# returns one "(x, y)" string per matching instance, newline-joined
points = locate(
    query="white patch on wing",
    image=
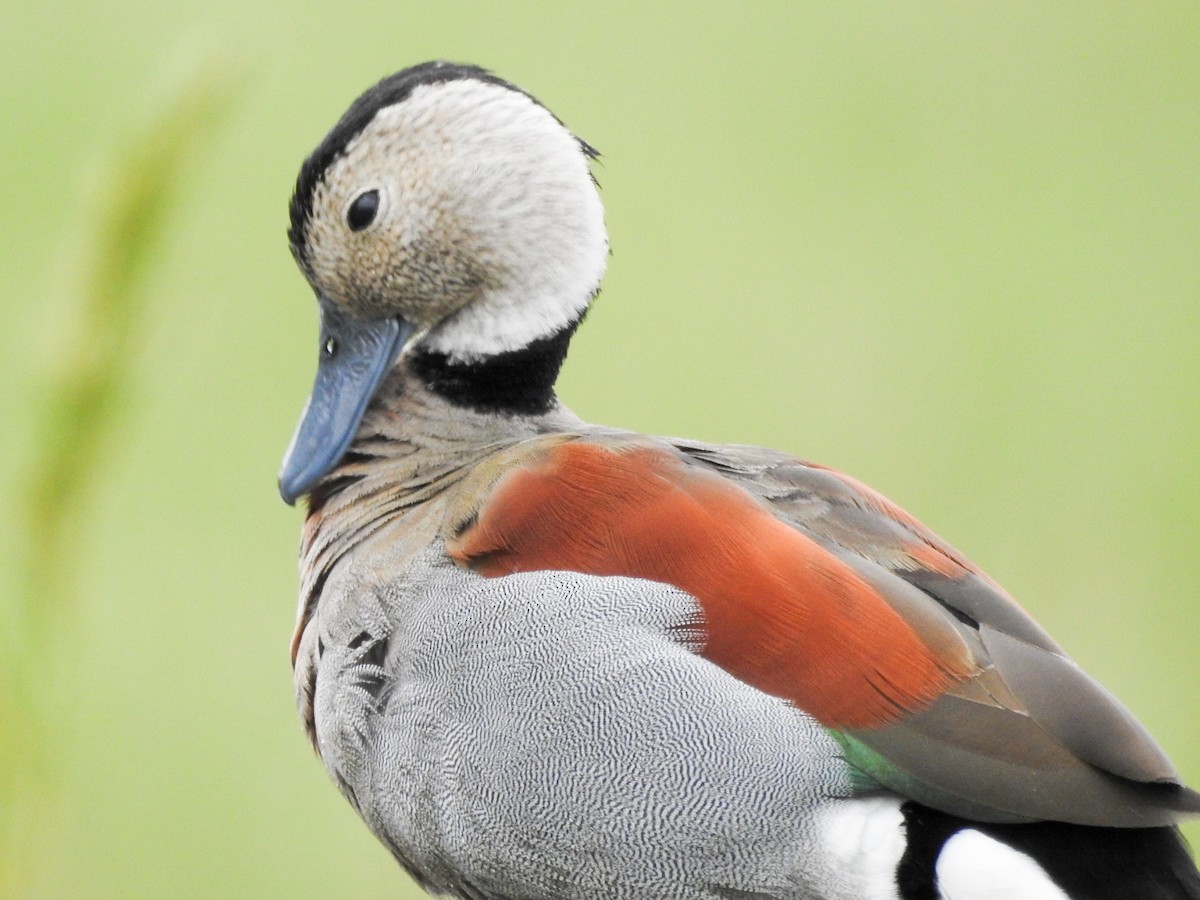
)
(973, 866)
(866, 837)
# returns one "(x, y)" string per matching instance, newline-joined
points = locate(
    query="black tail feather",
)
(1088, 863)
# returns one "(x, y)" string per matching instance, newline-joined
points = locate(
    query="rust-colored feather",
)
(780, 611)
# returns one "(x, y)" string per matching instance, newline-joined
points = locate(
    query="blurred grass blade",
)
(82, 408)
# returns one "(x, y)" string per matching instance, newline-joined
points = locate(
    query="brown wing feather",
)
(1032, 735)
(780, 611)
(816, 589)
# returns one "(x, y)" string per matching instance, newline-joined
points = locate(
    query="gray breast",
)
(554, 735)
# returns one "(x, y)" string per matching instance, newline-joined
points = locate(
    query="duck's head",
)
(451, 221)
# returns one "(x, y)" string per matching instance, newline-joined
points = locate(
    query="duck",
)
(544, 658)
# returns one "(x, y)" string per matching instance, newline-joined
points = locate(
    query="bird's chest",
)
(379, 728)
(415, 710)
(548, 735)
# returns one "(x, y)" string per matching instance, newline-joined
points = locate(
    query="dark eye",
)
(362, 211)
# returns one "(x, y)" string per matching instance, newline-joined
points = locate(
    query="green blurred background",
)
(948, 247)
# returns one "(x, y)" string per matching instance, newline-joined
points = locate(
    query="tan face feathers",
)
(487, 228)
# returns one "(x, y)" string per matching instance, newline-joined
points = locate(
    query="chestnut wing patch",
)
(780, 612)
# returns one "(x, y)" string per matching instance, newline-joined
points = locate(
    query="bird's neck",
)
(432, 420)
(414, 445)
(515, 382)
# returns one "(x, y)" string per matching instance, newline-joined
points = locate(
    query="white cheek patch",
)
(973, 866)
(529, 211)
